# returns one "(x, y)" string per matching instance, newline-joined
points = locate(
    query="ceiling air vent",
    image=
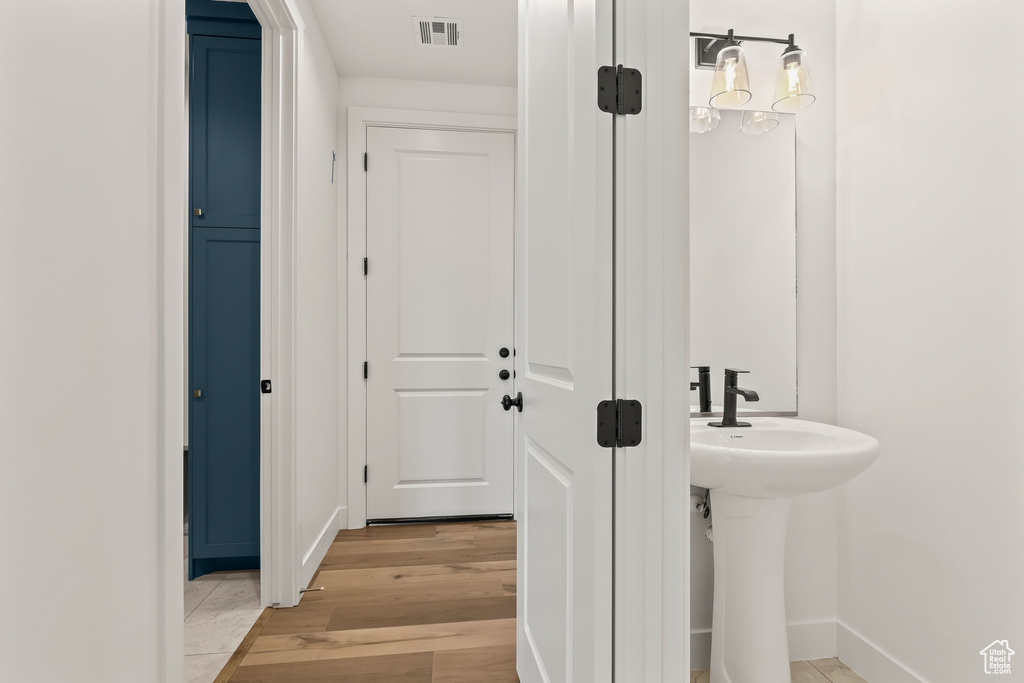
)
(437, 31)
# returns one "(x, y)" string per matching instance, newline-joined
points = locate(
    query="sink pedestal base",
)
(748, 628)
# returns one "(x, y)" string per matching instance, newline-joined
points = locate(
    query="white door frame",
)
(279, 561)
(652, 346)
(359, 119)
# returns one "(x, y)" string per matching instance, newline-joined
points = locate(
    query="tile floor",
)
(814, 671)
(220, 609)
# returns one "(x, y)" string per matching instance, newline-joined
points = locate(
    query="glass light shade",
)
(757, 122)
(730, 86)
(703, 119)
(793, 89)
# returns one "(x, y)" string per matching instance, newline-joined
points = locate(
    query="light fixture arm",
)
(754, 39)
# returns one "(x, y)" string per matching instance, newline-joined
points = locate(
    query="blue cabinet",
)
(224, 290)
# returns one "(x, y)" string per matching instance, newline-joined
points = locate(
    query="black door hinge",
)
(364, 473)
(366, 370)
(366, 267)
(366, 161)
(619, 423)
(620, 90)
(265, 386)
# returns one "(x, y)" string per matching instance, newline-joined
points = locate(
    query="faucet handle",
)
(701, 368)
(731, 376)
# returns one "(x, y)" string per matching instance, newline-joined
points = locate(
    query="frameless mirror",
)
(743, 261)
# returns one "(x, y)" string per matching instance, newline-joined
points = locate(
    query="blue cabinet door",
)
(224, 117)
(224, 304)
(224, 419)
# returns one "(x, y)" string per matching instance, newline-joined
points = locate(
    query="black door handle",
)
(507, 402)
(503, 352)
(503, 374)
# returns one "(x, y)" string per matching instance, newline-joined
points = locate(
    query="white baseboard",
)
(315, 555)
(870, 661)
(812, 640)
(807, 640)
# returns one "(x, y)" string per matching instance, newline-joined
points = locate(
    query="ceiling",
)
(375, 38)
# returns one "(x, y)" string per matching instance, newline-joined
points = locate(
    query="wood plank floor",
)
(402, 604)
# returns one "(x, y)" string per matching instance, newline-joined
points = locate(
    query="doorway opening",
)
(223, 331)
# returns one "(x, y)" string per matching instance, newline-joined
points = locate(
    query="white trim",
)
(652, 346)
(870, 661)
(279, 585)
(278, 579)
(315, 555)
(807, 640)
(169, 168)
(359, 118)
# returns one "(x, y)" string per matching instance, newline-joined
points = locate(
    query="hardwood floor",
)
(402, 604)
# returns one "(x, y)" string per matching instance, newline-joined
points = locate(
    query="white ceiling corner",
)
(374, 38)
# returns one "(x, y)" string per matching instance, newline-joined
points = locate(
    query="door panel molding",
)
(352, 253)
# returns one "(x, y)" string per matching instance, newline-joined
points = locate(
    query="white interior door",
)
(564, 342)
(440, 217)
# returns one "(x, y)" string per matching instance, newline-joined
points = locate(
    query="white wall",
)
(811, 551)
(91, 340)
(391, 94)
(317, 386)
(931, 331)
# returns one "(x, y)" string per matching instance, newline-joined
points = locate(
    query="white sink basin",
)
(752, 473)
(777, 457)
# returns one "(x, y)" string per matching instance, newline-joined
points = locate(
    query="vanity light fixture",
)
(757, 122)
(730, 86)
(703, 119)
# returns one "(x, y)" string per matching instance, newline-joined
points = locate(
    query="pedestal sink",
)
(753, 472)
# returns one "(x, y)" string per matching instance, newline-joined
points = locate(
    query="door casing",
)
(359, 119)
(660, 649)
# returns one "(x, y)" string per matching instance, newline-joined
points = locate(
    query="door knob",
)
(503, 374)
(197, 393)
(507, 402)
(503, 352)
(197, 212)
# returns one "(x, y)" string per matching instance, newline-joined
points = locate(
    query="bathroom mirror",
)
(743, 261)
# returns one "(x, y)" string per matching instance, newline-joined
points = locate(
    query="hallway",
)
(410, 604)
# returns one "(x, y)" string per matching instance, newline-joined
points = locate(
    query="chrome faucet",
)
(731, 392)
(703, 387)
